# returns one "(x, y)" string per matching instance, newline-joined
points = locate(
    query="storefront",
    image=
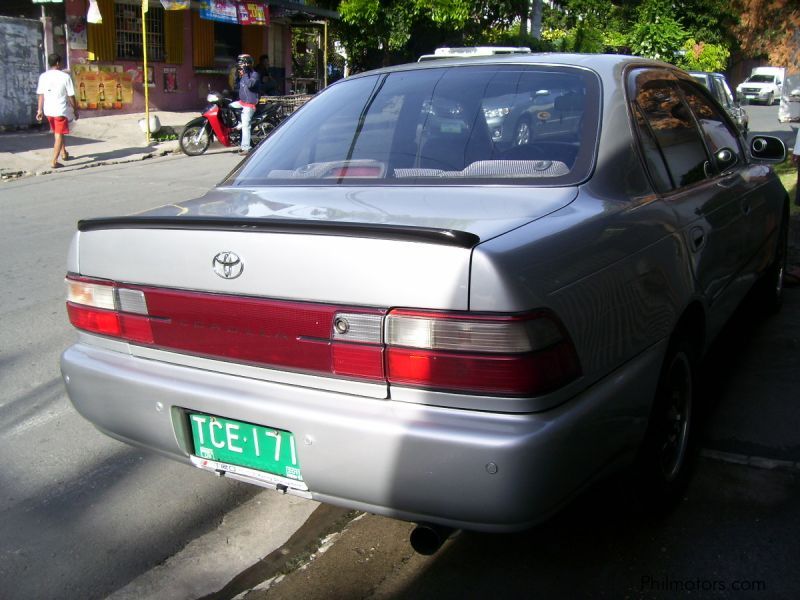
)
(191, 47)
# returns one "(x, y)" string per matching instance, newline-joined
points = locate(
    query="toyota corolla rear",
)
(313, 324)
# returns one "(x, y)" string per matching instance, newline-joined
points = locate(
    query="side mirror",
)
(767, 148)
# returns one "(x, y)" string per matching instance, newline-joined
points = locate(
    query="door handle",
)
(727, 181)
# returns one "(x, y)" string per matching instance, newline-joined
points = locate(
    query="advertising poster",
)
(170, 80)
(76, 32)
(253, 13)
(219, 10)
(86, 79)
(138, 75)
(102, 86)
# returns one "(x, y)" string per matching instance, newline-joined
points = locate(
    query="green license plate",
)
(244, 444)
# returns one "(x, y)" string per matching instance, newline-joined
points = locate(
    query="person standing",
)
(55, 94)
(248, 97)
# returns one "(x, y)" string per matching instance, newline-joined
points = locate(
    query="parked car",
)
(765, 84)
(387, 309)
(473, 51)
(721, 91)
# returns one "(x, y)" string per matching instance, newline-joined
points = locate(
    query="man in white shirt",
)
(56, 93)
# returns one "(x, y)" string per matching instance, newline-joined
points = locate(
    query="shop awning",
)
(285, 8)
(296, 9)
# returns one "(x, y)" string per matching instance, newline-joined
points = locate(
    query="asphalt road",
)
(764, 119)
(80, 514)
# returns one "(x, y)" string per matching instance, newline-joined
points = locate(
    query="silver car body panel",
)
(394, 458)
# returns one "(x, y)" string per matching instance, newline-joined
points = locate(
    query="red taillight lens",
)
(519, 356)
(308, 337)
(95, 320)
(101, 307)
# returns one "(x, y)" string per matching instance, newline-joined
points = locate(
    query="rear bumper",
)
(467, 469)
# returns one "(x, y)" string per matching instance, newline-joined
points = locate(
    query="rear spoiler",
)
(406, 233)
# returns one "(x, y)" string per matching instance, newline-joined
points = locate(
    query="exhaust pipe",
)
(426, 538)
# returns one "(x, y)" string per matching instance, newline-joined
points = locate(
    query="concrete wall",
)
(21, 64)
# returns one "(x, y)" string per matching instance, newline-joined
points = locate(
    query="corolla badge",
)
(227, 265)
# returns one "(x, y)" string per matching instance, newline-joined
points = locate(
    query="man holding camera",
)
(248, 96)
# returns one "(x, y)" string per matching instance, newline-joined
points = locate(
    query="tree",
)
(585, 26)
(770, 28)
(656, 33)
(380, 32)
(386, 26)
(703, 57)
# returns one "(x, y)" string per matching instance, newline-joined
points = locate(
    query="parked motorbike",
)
(220, 121)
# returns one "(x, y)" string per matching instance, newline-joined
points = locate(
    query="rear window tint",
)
(506, 123)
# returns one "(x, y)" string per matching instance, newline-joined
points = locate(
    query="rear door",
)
(681, 134)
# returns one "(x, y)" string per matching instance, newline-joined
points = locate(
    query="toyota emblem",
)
(227, 265)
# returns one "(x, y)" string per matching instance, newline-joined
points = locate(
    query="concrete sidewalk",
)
(92, 141)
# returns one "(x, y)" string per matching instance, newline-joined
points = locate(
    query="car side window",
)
(718, 133)
(671, 143)
(722, 94)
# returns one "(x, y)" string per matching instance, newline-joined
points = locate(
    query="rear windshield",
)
(453, 125)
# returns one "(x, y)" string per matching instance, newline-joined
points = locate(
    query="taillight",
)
(508, 355)
(102, 308)
(308, 337)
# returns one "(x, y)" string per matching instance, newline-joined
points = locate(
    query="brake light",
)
(317, 338)
(509, 355)
(108, 310)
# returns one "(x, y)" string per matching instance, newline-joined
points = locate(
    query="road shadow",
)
(733, 527)
(37, 139)
(112, 155)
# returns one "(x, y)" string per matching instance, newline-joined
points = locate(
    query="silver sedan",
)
(390, 306)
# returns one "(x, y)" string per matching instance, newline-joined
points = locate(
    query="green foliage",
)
(656, 33)
(585, 26)
(703, 57)
(376, 32)
(708, 20)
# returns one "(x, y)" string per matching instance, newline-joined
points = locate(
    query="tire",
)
(770, 99)
(522, 132)
(666, 457)
(195, 138)
(769, 289)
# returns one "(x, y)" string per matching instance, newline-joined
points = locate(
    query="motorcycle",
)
(220, 120)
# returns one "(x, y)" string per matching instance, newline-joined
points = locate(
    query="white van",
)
(473, 51)
(765, 84)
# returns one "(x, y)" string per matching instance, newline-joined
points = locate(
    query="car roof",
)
(606, 65)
